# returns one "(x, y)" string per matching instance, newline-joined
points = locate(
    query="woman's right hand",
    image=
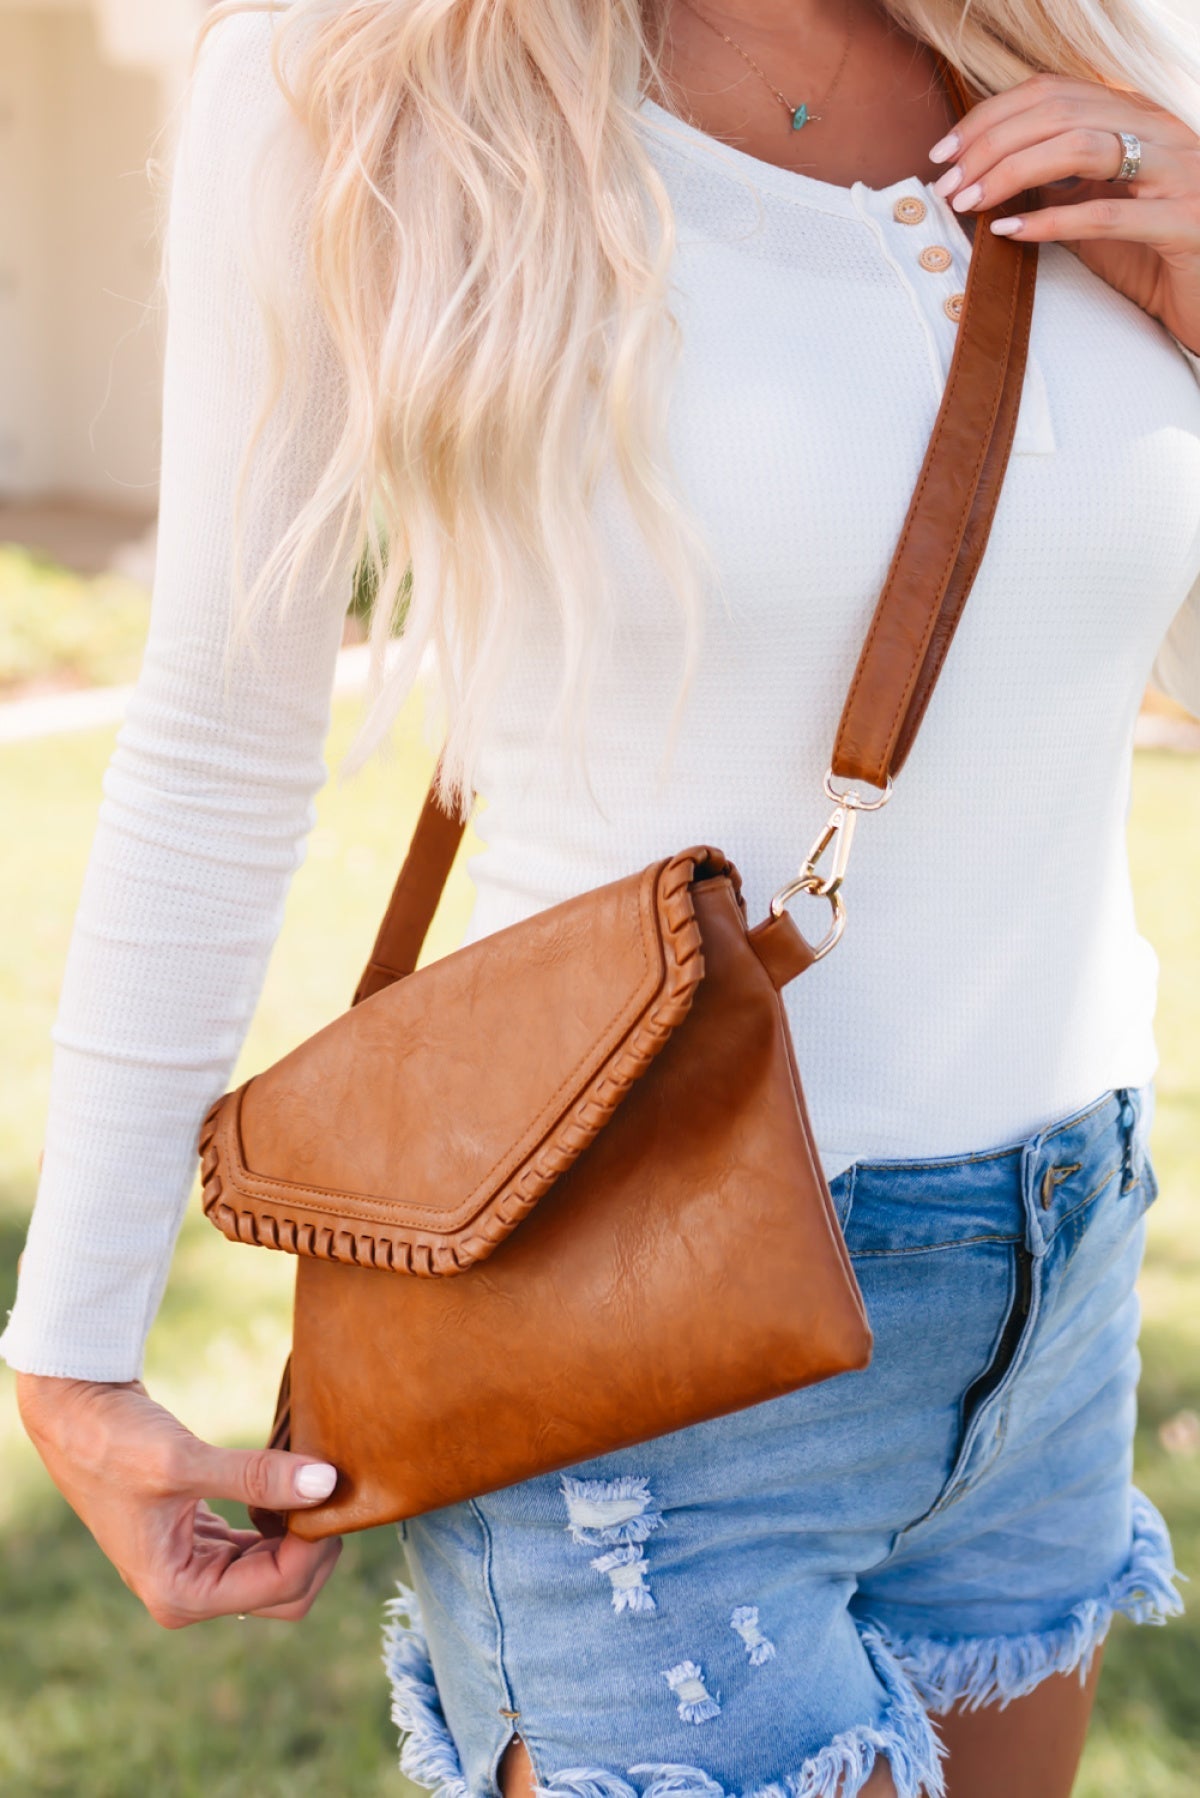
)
(139, 1481)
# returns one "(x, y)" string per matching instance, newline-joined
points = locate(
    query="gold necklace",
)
(800, 115)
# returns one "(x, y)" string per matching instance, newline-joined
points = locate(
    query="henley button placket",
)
(935, 259)
(927, 247)
(924, 241)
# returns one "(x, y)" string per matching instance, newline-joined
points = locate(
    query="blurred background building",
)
(88, 89)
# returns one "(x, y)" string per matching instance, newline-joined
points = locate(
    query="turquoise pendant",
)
(800, 117)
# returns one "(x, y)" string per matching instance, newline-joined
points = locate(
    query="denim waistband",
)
(1023, 1192)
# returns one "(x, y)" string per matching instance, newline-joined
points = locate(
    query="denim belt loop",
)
(1130, 1103)
(1032, 1158)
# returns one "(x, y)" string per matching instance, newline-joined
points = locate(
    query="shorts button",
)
(1053, 1178)
(936, 258)
(953, 307)
(909, 210)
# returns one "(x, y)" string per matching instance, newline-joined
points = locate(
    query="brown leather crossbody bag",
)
(557, 1193)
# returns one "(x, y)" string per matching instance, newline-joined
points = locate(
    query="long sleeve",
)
(1176, 670)
(208, 797)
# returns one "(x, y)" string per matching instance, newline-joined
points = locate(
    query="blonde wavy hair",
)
(489, 242)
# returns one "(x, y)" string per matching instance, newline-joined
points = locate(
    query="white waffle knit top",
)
(992, 977)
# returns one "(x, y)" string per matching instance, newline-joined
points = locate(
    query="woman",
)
(461, 228)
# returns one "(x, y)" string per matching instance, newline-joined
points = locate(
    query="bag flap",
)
(418, 1129)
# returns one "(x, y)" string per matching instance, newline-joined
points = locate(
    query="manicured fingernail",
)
(970, 196)
(317, 1480)
(1007, 227)
(946, 184)
(945, 147)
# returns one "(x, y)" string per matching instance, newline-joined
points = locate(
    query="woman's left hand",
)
(1142, 237)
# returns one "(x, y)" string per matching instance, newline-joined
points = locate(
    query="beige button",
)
(909, 210)
(954, 305)
(935, 257)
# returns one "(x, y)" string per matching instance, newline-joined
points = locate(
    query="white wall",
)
(84, 93)
(147, 34)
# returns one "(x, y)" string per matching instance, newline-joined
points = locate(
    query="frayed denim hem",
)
(904, 1737)
(427, 1753)
(995, 1670)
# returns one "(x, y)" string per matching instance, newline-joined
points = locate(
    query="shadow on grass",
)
(99, 1702)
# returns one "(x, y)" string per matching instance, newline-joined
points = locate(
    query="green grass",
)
(96, 1701)
(67, 627)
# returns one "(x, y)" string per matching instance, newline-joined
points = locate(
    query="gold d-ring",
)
(853, 800)
(811, 883)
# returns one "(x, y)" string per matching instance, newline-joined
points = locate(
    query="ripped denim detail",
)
(995, 1670)
(696, 1704)
(626, 1568)
(427, 1753)
(604, 1513)
(759, 1649)
(918, 1674)
(903, 1737)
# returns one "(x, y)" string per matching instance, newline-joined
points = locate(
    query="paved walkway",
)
(1155, 731)
(58, 714)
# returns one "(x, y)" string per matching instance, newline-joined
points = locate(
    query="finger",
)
(1086, 154)
(282, 1576)
(1165, 225)
(216, 1529)
(269, 1478)
(221, 1580)
(1045, 105)
(238, 1540)
(295, 1613)
(210, 1528)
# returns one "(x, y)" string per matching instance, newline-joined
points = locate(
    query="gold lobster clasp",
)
(838, 833)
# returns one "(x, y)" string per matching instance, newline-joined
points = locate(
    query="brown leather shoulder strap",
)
(949, 518)
(415, 896)
(953, 504)
(936, 560)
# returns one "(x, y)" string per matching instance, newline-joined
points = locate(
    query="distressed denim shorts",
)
(765, 1604)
